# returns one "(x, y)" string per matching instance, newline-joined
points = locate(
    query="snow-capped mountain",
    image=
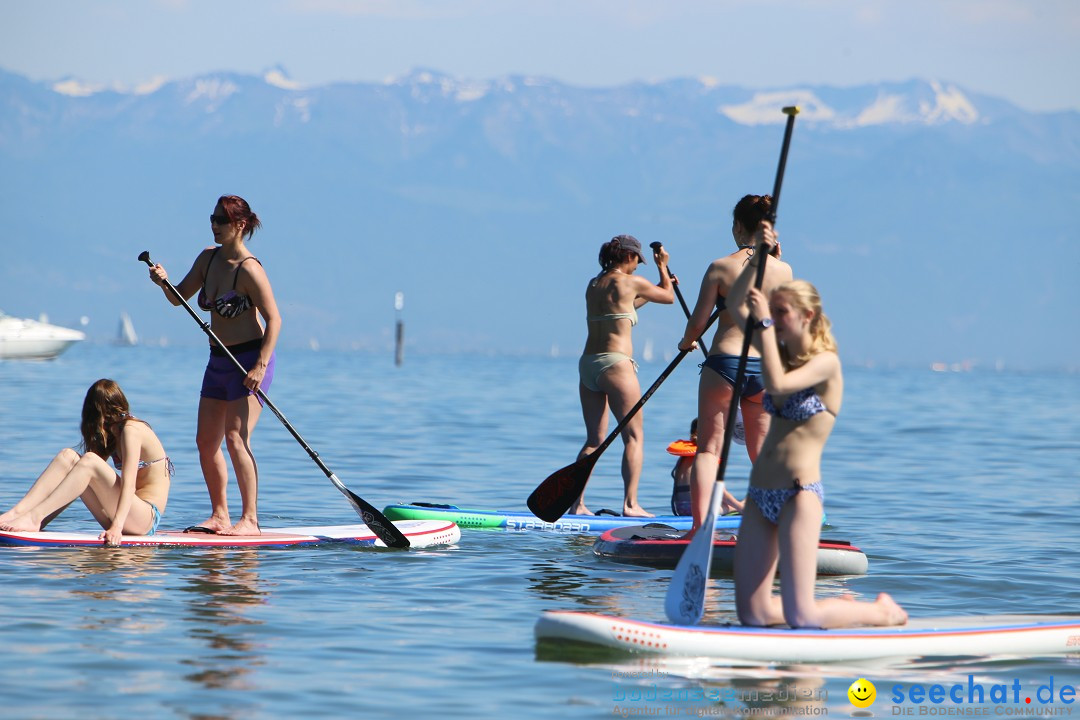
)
(920, 208)
(926, 102)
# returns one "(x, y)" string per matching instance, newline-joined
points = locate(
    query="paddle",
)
(678, 293)
(383, 528)
(554, 496)
(685, 601)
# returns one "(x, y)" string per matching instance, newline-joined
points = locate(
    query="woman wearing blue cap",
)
(607, 371)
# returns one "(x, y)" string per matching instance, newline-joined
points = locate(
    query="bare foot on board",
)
(894, 614)
(246, 526)
(21, 523)
(215, 524)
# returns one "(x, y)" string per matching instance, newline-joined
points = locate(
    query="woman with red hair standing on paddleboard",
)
(234, 289)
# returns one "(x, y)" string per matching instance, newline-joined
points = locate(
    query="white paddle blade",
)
(685, 601)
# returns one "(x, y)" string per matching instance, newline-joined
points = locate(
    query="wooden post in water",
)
(399, 334)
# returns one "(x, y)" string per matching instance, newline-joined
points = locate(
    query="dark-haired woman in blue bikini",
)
(718, 372)
(234, 288)
(781, 524)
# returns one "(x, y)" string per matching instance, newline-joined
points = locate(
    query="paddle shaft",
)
(682, 301)
(685, 599)
(378, 523)
(759, 278)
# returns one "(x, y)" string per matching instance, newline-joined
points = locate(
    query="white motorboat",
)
(33, 339)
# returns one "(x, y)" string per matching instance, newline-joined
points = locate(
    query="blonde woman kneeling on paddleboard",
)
(126, 503)
(781, 524)
(607, 371)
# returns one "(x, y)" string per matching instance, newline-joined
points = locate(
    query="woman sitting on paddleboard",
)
(781, 523)
(718, 372)
(607, 371)
(234, 288)
(128, 503)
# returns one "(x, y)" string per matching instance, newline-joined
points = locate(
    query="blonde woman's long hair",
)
(803, 296)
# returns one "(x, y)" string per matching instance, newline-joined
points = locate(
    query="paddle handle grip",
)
(791, 111)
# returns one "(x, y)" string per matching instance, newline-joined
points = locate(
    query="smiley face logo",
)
(862, 693)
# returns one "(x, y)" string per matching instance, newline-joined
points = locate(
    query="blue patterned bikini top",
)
(799, 406)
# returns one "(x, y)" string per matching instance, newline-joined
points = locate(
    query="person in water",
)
(718, 372)
(128, 502)
(607, 372)
(234, 289)
(781, 523)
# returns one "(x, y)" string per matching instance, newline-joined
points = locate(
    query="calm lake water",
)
(962, 488)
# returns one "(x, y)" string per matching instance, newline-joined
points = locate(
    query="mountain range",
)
(939, 224)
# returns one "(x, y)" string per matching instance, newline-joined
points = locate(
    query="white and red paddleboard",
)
(1015, 635)
(421, 533)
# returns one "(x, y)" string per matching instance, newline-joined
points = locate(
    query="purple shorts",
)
(222, 381)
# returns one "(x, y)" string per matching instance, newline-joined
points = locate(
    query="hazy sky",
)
(1026, 51)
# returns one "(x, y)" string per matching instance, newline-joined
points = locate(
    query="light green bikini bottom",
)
(591, 367)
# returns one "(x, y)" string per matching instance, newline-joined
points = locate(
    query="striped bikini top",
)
(232, 304)
(170, 468)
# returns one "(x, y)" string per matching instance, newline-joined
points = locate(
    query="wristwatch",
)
(764, 323)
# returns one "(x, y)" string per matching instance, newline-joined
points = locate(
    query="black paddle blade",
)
(553, 497)
(379, 524)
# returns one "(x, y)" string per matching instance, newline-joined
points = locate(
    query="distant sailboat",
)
(125, 335)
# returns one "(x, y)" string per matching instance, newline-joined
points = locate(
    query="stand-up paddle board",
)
(661, 546)
(525, 520)
(1017, 635)
(421, 533)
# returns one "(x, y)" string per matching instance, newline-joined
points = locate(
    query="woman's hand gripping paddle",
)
(685, 601)
(379, 524)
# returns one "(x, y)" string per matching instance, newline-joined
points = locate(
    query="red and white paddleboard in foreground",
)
(421, 533)
(980, 635)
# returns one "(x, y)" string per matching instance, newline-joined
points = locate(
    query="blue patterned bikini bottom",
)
(771, 501)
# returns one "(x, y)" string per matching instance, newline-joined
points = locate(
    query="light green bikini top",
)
(631, 316)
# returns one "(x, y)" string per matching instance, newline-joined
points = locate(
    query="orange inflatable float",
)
(683, 448)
